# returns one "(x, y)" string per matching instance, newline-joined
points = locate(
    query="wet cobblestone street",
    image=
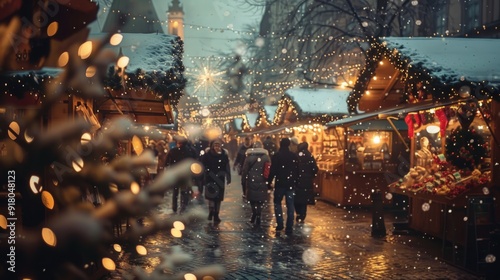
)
(334, 243)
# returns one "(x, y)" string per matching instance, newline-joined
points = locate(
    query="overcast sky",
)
(208, 23)
(211, 27)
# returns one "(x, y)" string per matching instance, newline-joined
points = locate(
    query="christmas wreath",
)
(465, 148)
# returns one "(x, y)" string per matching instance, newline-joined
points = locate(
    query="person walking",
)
(284, 169)
(240, 158)
(217, 174)
(181, 152)
(252, 176)
(232, 147)
(304, 191)
(294, 143)
(269, 145)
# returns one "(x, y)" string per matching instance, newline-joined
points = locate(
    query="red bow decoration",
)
(413, 121)
(443, 121)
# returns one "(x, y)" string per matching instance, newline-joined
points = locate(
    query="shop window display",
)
(369, 150)
(452, 163)
(332, 154)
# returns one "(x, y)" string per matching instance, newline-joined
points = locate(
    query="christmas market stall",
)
(358, 154)
(147, 81)
(258, 122)
(145, 86)
(446, 90)
(31, 71)
(302, 113)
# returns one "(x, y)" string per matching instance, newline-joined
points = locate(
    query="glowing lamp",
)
(117, 247)
(432, 129)
(3, 222)
(63, 59)
(49, 237)
(90, 71)
(116, 39)
(48, 200)
(108, 264)
(196, 168)
(85, 138)
(52, 28)
(179, 225)
(135, 188)
(85, 50)
(14, 130)
(123, 62)
(27, 137)
(141, 250)
(34, 180)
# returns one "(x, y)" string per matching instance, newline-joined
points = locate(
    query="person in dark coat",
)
(217, 174)
(240, 158)
(269, 145)
(162, 155)
(254, 180)
(232, 147)
(183, 151)
(284, 169)
(304, 190)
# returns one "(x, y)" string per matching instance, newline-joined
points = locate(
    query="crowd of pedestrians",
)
(286, 171)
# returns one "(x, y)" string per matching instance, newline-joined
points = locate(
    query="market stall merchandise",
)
(359, 158)
(447, 92)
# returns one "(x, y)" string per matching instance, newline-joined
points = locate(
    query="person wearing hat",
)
(294, 144)
(217, 174)
(181, 152)
(254, 179)
(284, 170)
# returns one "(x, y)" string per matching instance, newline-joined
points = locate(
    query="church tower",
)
(175, 18)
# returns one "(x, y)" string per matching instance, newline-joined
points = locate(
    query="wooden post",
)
(495, 155)
(412, 150)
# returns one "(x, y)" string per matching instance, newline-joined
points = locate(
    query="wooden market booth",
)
(148, 89)
(31, 97)
(447, 92)
(302, 113)
(359, 154)
(262, 126)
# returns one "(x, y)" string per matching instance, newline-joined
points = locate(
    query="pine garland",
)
(465, 149)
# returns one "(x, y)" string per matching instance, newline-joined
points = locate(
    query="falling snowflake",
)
(490, 258)
(311, 256)
(425, 207)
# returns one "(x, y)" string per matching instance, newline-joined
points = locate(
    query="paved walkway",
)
(334, 243)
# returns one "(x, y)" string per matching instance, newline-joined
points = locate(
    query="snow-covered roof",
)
(452, 59)
(317, 101)
(270, 111)
(252, 119)
(150, 51)
(158, 56)
(238, 122)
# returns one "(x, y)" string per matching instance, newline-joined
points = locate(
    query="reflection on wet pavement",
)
(334, 243)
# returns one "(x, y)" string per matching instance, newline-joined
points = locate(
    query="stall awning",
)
(319, 101)
(275, 129)
(403, 109)
(379, 125)
(144, 107)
